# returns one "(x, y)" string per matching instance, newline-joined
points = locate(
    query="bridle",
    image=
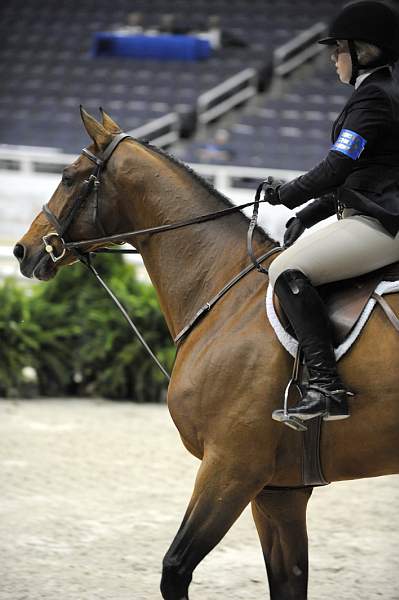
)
(92, 184)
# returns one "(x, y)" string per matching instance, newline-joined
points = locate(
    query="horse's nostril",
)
(19, 252)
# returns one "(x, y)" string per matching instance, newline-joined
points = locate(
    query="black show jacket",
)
(373, 113)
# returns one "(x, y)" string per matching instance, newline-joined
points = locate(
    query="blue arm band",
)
(350, 143)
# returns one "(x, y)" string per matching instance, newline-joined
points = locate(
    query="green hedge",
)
(71, 334)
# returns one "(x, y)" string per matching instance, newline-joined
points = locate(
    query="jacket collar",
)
(360, 78)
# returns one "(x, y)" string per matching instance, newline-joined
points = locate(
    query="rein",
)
(121, 237)
(92, 184)
(87, 261)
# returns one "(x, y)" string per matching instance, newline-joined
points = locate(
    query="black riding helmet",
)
(368, 21)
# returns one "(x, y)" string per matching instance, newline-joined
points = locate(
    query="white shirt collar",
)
(363, 76)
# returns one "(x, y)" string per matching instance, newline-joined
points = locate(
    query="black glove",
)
(295, 228)
(271, 187)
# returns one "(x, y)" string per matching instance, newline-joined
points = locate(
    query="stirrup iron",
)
(282, 415)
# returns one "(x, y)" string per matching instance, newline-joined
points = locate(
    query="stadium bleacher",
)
(47, 66)
(290, 129)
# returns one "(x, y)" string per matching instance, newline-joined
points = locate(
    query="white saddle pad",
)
(291, 345)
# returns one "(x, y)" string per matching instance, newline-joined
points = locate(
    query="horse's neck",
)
(189, 265)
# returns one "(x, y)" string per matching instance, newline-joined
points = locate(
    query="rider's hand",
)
(271, 188)
(295, 228)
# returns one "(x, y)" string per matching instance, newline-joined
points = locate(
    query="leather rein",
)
(92, 184)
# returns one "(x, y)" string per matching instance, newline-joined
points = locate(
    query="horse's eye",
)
(67, 180)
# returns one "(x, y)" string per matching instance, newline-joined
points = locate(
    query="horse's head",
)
(72, 212)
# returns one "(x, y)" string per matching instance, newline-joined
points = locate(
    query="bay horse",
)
(230, 373)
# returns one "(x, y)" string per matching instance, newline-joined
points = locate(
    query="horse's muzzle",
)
(34, 264)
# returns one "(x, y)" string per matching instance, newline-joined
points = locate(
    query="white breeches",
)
(352, 246)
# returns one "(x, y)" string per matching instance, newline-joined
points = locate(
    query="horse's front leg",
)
(221, 493)
(280, 518)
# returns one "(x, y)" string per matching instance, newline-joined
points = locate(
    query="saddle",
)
(345, 301)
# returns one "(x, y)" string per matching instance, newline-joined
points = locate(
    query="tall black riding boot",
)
(325, 394)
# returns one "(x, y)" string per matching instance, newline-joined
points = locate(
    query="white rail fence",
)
(29, 176)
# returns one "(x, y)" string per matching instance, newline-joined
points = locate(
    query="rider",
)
(359, 181)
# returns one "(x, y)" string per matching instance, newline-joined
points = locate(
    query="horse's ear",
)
(109, 123)
(100, 136)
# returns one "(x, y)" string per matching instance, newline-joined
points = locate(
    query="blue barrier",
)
(164, 47)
